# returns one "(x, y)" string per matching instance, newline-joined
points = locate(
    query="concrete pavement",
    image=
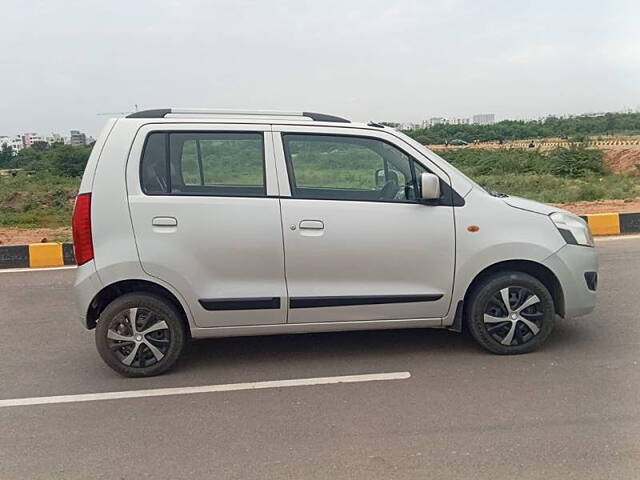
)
(568, 411)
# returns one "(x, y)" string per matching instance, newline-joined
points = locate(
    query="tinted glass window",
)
(153, 171)
(189, 163)
(348, 168)
(213, 164)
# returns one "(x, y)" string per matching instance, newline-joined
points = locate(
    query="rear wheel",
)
(140, 335)
(510, 313)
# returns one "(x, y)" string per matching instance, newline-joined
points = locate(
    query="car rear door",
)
(359, 246)
(207, 221)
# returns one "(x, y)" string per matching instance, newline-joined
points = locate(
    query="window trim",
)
(200, 166)
(291, 173)
(169, 193)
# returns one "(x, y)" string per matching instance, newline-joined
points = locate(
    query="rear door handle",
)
(312, 224)
(164, 222)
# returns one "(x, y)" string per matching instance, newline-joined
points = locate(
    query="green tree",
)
(58, 159)
(28, 159)
(6, 156)
(67, 160)
(40, 146)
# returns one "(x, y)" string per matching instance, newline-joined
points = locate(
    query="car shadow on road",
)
(570, 335)
(362, 347)
(359, 348)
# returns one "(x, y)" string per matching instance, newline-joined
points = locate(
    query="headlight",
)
(572, 228)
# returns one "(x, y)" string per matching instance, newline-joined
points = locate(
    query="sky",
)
(64, 63)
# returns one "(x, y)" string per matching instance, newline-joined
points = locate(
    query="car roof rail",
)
(163, 112)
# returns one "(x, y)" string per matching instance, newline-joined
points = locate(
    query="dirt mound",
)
(623, 160)
(602, 206)
(24, 236)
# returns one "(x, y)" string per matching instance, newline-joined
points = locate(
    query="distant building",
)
(484, 119)
(459, 121)
(77, 138)
(15, 142)
(55, 138)
(408, 126)
(28, 139)
(437, 121)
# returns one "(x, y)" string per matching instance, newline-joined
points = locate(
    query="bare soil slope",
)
(23, 236)
(623, 160)
(603, 206)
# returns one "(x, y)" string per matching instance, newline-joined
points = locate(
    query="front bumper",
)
(570, 264)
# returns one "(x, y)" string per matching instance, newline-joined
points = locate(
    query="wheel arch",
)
(535, 269)
(109, 293)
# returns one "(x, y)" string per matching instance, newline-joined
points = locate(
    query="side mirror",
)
(380, 178)
(429, 186)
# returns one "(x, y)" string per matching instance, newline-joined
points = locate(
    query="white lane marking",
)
(616, 237)
(230, 387)
(38, 269)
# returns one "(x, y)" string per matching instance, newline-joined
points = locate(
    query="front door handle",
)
(164, 222)
(312, 224)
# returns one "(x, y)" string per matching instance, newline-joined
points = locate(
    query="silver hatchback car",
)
(194, 223)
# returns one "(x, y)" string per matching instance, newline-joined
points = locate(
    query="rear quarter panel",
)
(115, 252)
(114, 246)
(90, 169)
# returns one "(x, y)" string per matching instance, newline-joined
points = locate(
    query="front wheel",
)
(510, 313)
(140, 335)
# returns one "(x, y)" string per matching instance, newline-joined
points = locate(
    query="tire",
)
(500, 328)
(134, 353)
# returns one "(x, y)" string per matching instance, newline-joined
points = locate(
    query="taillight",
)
(81, 226)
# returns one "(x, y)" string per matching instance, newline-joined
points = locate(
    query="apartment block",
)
(484, 119)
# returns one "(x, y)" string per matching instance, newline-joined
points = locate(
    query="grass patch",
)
(549, 188)
(558, 176)
(39, 200)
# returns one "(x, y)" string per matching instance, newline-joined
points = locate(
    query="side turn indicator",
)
(473, 228)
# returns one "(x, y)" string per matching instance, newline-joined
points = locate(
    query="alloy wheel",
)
(513, 316)
(139, 337)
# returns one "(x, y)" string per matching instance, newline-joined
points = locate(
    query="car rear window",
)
(204, 163)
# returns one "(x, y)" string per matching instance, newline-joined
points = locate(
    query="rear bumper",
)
(575, 267)
(85, 288)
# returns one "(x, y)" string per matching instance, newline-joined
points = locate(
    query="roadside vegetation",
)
(38, 185)
(37, 200)
(562, 175)
(575, 128)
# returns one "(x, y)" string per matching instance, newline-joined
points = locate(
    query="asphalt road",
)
(569, 411)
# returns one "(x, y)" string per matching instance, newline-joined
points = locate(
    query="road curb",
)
(613, 223)
(37, 255)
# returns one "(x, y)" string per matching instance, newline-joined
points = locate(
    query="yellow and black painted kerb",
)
(59, 254)
(37, 255)
(613, 223)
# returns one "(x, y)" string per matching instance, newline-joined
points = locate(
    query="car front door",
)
(206, 217)
(359, 244)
